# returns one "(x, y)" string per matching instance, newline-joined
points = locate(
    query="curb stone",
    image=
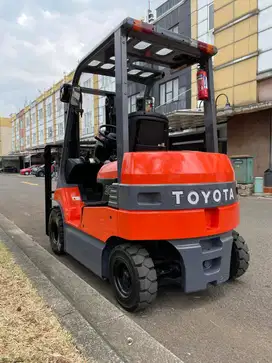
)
(130, 342)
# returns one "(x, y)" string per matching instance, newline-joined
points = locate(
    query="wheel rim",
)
(54, 235)
(122, 278)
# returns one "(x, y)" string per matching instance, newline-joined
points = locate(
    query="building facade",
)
(240, 29)
(5, 135)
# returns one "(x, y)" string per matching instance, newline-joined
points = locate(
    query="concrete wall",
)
(249, 134)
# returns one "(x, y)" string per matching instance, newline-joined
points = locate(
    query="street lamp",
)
(227, 106)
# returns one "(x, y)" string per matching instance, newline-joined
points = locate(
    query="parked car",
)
(34, 169)
(28, 171)
(39, 172)
(9, 169)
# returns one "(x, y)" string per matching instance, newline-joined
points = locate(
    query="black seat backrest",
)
(148, 131)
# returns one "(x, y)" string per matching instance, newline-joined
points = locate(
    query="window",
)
(169, 91)
(28, 140)
(60, 129)
(132, 103)
(166, 6)
(27, 120)
(88, 83)
(50, 132)
(40, 114)
(33, 117)
(34, 138)
(41, 135)
(175, 29)
(58, 103)
(49, 110)
(210, 17)
(87, 123)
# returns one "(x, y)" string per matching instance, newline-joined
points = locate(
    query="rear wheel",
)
(40, 173)
(239, 256)
(133, 277)
(56, 231)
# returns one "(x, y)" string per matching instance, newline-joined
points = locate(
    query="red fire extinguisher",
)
(202, 85)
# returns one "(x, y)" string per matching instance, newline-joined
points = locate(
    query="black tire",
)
(40, 173)
(239, 256)
(56, 231)
(132, 264)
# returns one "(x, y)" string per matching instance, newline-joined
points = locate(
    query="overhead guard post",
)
(210, 122)
(120, 46)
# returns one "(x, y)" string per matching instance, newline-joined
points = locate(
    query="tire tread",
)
(240, 256)
(146, 272)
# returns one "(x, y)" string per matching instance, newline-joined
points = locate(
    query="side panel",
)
(100, 222)
(84, 248)
(70, 201)
(105, 222)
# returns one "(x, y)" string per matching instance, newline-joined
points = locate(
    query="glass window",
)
(169, 91)
(132, 103)
(211, 16)
(49, 110)
(60, 129)
(40, 114)
(175, 89)
(49, 132)
(175, 28)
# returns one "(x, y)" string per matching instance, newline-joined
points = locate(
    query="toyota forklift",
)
(141, 214)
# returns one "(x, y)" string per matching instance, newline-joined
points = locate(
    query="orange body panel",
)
(171, 167)
(155, 168)
(70, 201)
(108, 171)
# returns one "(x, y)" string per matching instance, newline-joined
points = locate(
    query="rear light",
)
(207, 48)
(140, 26)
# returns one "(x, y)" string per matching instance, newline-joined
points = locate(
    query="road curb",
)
(125, 337)
(88, 341)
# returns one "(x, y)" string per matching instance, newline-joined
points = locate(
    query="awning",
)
(190, 119)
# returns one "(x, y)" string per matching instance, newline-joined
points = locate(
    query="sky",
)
(40, 40)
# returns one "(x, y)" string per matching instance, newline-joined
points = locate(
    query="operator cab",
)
(147, 131)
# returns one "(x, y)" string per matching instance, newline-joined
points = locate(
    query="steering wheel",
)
(106, 126)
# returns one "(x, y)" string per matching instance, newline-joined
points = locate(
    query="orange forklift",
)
(138, 213)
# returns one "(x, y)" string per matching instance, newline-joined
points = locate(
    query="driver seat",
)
(148, 131)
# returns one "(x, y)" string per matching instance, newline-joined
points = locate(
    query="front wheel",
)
(56, 231)
(133, 277)
(239, 256)
(41, 174)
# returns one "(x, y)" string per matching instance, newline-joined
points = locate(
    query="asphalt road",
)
(229, 323)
